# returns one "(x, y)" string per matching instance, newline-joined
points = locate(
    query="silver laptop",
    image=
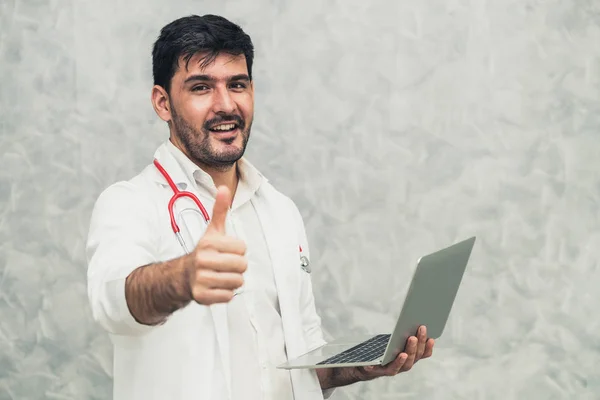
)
(428, 302)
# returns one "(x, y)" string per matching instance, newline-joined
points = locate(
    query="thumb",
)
(220, 209)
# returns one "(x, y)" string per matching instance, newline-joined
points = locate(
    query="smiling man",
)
(203, 306)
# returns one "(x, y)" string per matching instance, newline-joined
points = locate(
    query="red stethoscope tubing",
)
(178, 194)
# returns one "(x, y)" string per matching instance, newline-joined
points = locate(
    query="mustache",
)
(225, 118)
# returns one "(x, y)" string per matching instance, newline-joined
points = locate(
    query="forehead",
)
(223, 65)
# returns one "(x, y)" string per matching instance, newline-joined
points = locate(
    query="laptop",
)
(428, 302)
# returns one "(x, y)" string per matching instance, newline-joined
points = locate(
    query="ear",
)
(161, 103)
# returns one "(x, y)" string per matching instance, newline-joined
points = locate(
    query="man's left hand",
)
(417, 348)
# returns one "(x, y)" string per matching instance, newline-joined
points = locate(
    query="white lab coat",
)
(184, 358)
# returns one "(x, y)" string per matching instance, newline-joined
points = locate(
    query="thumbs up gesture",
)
(216, 265)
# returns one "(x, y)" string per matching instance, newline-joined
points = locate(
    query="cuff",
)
(118, 319)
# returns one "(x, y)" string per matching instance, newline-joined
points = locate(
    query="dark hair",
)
(191, 35)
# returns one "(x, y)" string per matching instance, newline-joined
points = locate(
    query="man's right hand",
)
(216, 265)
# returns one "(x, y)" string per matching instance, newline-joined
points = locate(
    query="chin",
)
(225, 149)
(228, 153)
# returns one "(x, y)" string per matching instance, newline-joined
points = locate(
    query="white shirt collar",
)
(250, 178)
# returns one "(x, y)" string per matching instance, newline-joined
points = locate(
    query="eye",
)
(238, 85)
(198, 88)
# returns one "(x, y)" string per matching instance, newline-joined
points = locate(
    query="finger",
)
(390, 369)
(220, 209)
(223, 244)
(208, 279)
(221, 262)
(428, 348)
(411, 352)
(396, 366)
(422, 338)
(212, 296)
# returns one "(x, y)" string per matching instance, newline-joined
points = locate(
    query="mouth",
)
(226, 127)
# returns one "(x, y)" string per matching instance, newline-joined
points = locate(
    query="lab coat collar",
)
(250, 178)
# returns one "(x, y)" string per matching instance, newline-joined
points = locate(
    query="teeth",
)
(223, 127)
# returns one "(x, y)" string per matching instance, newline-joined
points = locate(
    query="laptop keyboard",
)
(368, 350)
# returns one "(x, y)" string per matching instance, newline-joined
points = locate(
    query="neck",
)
(221, 176)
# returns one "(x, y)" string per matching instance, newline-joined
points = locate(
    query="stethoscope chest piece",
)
(305, 264)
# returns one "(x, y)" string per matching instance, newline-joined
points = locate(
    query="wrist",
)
(187, 276)
(359, 374)
(339, 376)
(172, 291)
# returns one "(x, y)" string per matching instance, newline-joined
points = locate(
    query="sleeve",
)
(121, 238)
(311, 321)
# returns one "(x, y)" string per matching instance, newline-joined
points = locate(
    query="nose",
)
(222, 101)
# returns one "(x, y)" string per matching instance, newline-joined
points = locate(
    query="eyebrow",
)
(210, 78)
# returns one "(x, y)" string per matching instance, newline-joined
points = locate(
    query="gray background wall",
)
(398, 127)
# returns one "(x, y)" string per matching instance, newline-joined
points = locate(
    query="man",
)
(210, 312)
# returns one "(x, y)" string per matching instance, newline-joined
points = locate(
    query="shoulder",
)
(280, 199)
(282, 206)
(128, 195)
(288, 215)
(267, 192)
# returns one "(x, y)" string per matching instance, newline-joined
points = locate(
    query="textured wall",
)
(398, 127)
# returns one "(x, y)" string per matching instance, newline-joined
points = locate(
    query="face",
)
(210, 109)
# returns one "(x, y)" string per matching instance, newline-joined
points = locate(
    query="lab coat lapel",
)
(278, 249)
(283, 248)
(218, 311)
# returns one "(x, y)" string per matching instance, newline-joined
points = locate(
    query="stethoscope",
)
(178, 194)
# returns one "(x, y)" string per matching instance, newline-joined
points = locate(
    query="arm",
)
(155, 291)
(330, 378)
(122, 237)
(130, 300)
(129, 290)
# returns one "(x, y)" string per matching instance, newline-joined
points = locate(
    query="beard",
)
(197, 142)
